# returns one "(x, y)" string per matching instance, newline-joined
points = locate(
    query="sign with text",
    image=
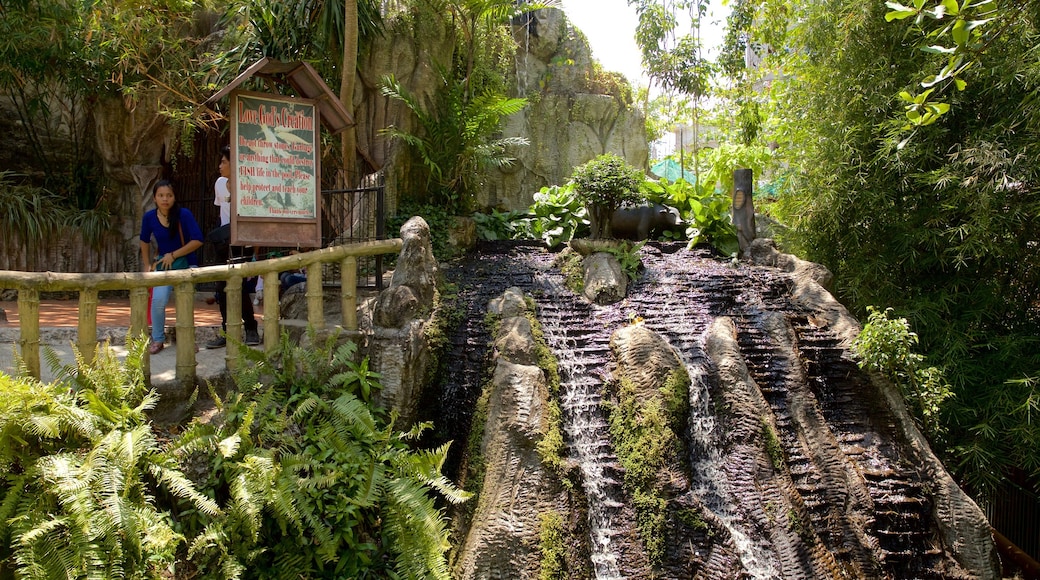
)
(275, 171)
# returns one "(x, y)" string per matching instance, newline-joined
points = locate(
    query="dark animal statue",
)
(640, 222)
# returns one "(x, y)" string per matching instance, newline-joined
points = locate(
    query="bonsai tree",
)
(604, 184)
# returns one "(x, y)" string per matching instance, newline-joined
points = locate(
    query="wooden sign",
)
(275, 179)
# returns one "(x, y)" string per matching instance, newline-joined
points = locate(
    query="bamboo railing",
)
(31, 284)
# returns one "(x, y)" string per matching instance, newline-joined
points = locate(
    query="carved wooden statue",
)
(743, 208)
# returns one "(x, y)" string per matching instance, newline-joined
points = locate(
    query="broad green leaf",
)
(898, 15)
(961, 84)
(960, 32)
(951, 7)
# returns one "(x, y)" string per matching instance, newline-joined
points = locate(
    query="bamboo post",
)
(139, 324)
(29, 329)
(185, 299)
(271, 313)
(348, 292)
(315, 297)
(86, 330)
(233, 295)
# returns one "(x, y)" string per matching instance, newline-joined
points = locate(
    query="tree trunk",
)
(348, 138)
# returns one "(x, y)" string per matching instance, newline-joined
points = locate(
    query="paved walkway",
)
(58, 320)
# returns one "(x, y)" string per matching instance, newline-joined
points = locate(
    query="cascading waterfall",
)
(584, 421)
(709, 483)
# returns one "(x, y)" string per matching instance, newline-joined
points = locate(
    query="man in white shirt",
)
(222, 199)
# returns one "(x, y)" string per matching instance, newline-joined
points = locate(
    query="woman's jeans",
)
(160, 296)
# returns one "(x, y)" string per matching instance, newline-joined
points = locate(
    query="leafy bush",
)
(603, 184)
(298, 475)
(497, 225)
(706, 214)
(455, 139)
(885, 345)
(627, 254)
(557, 215)
(83, 475)
(317, 480)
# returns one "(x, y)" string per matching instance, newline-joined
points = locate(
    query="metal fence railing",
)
(1014, 510)
(355, 215)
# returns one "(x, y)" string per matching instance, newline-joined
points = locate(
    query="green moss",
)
(475, 462)
(644, 444)
(676, 394)
(570, 264)
(773, 447)
(550, 447)
(552, 546)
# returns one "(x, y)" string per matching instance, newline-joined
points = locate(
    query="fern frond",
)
(182, 487)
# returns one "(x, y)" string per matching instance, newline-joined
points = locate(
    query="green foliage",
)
(497, 225)
(317, 481)
(82, 475)
(645, 444)
(939, 227)
(557, 215)
(455, 140)
(885, 345)
(956, 33)
(706, 215)
(672, 59)
(551, 545)
(33, 214)
(627, 254)
(297, 475)
(603, 184)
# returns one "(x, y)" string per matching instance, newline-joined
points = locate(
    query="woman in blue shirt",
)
(177, 236)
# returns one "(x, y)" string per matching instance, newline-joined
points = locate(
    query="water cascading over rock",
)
(789, 462)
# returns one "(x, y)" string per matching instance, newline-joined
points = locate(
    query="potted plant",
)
(604, 184)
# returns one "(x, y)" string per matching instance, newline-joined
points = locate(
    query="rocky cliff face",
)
(574, 113)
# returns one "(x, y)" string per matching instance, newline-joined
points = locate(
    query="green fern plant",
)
(454, 139)
(317, 480)
(83, 473)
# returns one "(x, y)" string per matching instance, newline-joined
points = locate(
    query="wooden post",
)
(743, 208)
(348, 292)
(315, 297)
(86, 330)
(29, 329)
(184, 294)
(233, 308)
(139, 326)
(271, 311)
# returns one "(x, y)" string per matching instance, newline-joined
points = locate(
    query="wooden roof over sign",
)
(302, 77)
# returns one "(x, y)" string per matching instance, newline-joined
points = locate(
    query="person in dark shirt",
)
(177, 235)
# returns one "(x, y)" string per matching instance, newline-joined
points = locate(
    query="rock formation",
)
(575, 113)
(396, 321)
(502, 540)
(796, 465)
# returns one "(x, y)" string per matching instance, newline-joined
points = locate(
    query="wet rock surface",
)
(800, 465)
